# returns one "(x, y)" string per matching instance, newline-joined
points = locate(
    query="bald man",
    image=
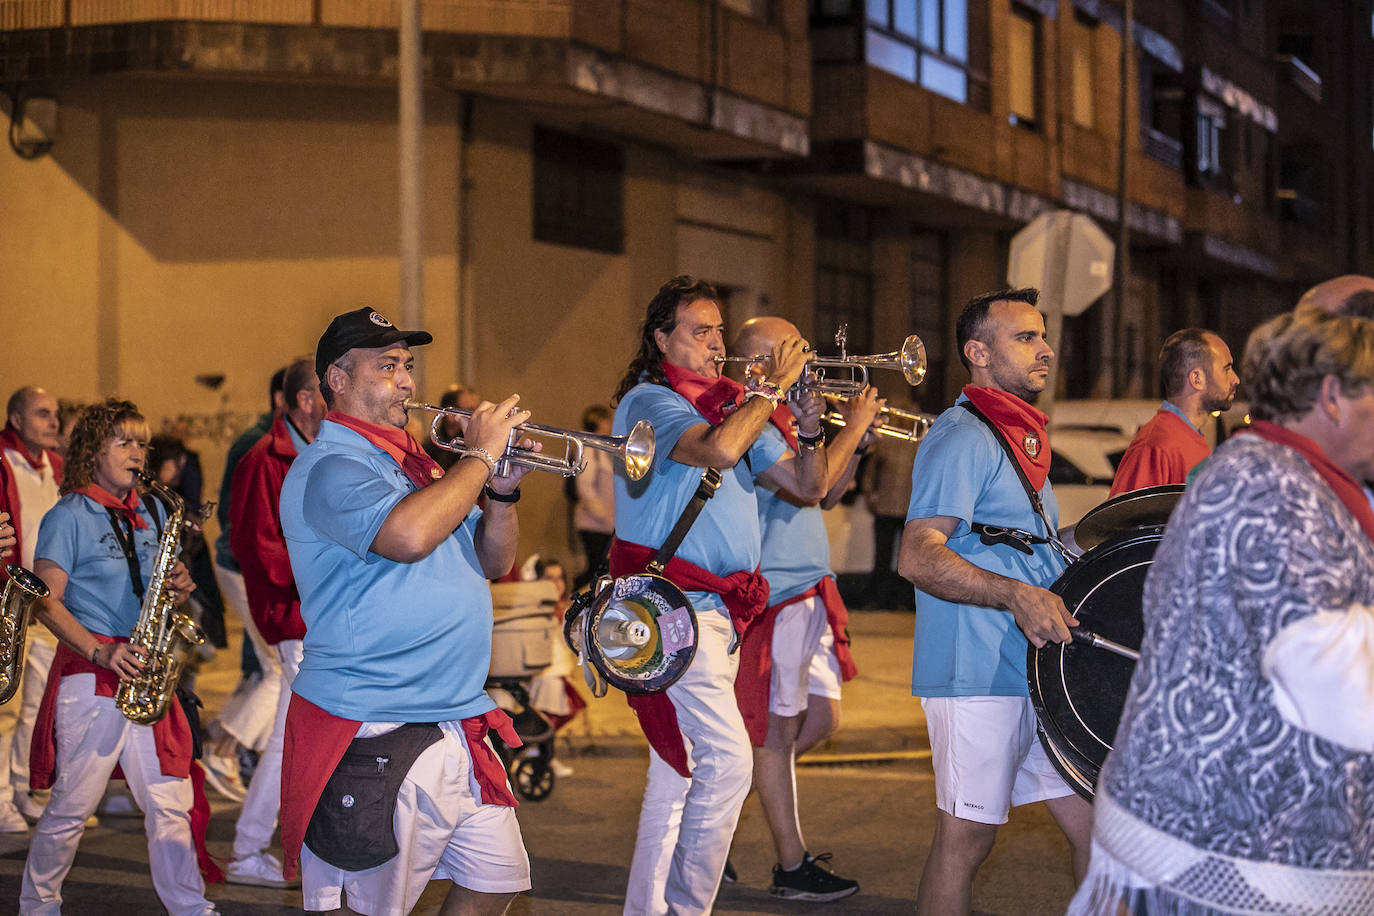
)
(796, 654)
(1351, 294)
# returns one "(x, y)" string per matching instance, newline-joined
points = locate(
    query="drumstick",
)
(1088, 637)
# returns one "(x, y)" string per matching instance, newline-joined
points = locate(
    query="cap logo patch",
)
(377, 319)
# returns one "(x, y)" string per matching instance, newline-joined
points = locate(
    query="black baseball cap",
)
(366, 328)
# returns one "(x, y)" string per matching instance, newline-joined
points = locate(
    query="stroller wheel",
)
(533, 779)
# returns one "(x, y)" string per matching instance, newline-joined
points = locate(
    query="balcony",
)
(1161, 147)
(1301, 76)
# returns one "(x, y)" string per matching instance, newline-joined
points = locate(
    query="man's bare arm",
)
(927, 562)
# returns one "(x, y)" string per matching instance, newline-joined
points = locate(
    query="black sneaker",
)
(811, 880)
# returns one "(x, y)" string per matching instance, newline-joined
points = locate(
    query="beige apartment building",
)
(195, 186)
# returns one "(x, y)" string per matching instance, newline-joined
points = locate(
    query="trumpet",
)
(919, 423)
(635, 450)
(910, 359)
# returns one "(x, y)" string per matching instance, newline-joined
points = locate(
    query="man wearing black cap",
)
(387, 776)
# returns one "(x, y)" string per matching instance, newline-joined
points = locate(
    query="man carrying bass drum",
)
(980, 546)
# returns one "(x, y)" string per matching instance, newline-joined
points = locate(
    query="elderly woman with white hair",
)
(1242, 777)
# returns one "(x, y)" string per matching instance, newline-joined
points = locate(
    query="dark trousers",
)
(594, 545)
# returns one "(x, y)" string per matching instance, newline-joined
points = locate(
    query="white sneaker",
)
(11, 821)
(560, 769)
(261, 869)
(222, 775)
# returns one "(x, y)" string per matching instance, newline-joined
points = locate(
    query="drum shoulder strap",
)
(1036, 503)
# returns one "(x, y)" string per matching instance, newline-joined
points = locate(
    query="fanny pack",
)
(353, 824)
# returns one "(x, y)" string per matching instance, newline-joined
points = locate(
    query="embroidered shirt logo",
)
(378, 319)
(1030, 444)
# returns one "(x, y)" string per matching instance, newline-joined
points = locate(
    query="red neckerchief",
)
(1021, 424)
(1346, 488)
(745, 595)
(129, 506)
(315, 741)
(10, 439)
(399, 444)
(717, 398)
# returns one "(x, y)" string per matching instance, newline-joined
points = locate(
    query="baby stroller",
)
(522, 648)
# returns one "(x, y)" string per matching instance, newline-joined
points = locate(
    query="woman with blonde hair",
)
(96, 549)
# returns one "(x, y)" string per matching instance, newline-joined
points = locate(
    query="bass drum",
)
(1078, 690)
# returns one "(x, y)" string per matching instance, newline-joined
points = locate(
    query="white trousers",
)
(93, 736)
(258, 819)
(250, 711)
(685, 825)
(39, 650)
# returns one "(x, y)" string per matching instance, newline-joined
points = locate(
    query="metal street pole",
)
(411, 161)
(1113, 320)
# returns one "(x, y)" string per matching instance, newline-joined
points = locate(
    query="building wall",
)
(182, 229)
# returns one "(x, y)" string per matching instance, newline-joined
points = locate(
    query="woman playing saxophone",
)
(96, 550)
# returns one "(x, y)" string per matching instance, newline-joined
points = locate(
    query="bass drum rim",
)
(1072, 718)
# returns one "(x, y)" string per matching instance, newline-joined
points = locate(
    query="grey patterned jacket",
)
(1258, 542)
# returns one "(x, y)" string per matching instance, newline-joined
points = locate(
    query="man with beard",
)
(980, 547)
(1199, 378)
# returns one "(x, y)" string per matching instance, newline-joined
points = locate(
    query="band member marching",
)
(699, 771)
(387, 776)
(97, 551)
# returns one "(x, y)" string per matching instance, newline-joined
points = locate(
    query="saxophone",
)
(22, 591)
(166, 637)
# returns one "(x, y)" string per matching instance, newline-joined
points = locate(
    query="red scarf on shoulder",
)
(717, 398)
(399, 444)
(9, 489)
(1021, 425)
(128, 507)
(1346, 488)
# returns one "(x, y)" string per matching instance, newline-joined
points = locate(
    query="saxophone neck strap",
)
(124, 536)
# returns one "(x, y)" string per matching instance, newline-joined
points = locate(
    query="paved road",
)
(868, 797)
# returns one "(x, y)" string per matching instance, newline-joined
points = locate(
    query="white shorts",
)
(803, 658)
(987, 757)
(444, 832)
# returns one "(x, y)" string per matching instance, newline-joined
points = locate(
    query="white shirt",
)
(37, 494)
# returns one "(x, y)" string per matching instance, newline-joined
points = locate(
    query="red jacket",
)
(255, 535)
(9, 496)
(1163, 452)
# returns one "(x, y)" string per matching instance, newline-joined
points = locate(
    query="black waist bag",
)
(352, 826)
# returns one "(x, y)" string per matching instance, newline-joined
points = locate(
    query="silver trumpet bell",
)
(909, 359)
(635, 450)
(906, 425)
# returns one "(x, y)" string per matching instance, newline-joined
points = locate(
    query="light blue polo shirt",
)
(384, 641)
(76, 534)
(796, 549)
(725, 537)
(961, 472)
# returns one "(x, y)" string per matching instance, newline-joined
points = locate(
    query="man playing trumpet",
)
(391, 557)
(796, 654)
(699, 771)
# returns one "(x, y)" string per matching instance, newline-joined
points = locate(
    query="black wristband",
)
(815, 441)
(94, 651)
(512, 497)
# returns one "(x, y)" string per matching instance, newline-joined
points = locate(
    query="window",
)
(844, 276)
(1161, 106)
(1083, 35)
(578, 187)
(1211, 131)
(1301, 189)
(929, 42)
(1023, 59)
